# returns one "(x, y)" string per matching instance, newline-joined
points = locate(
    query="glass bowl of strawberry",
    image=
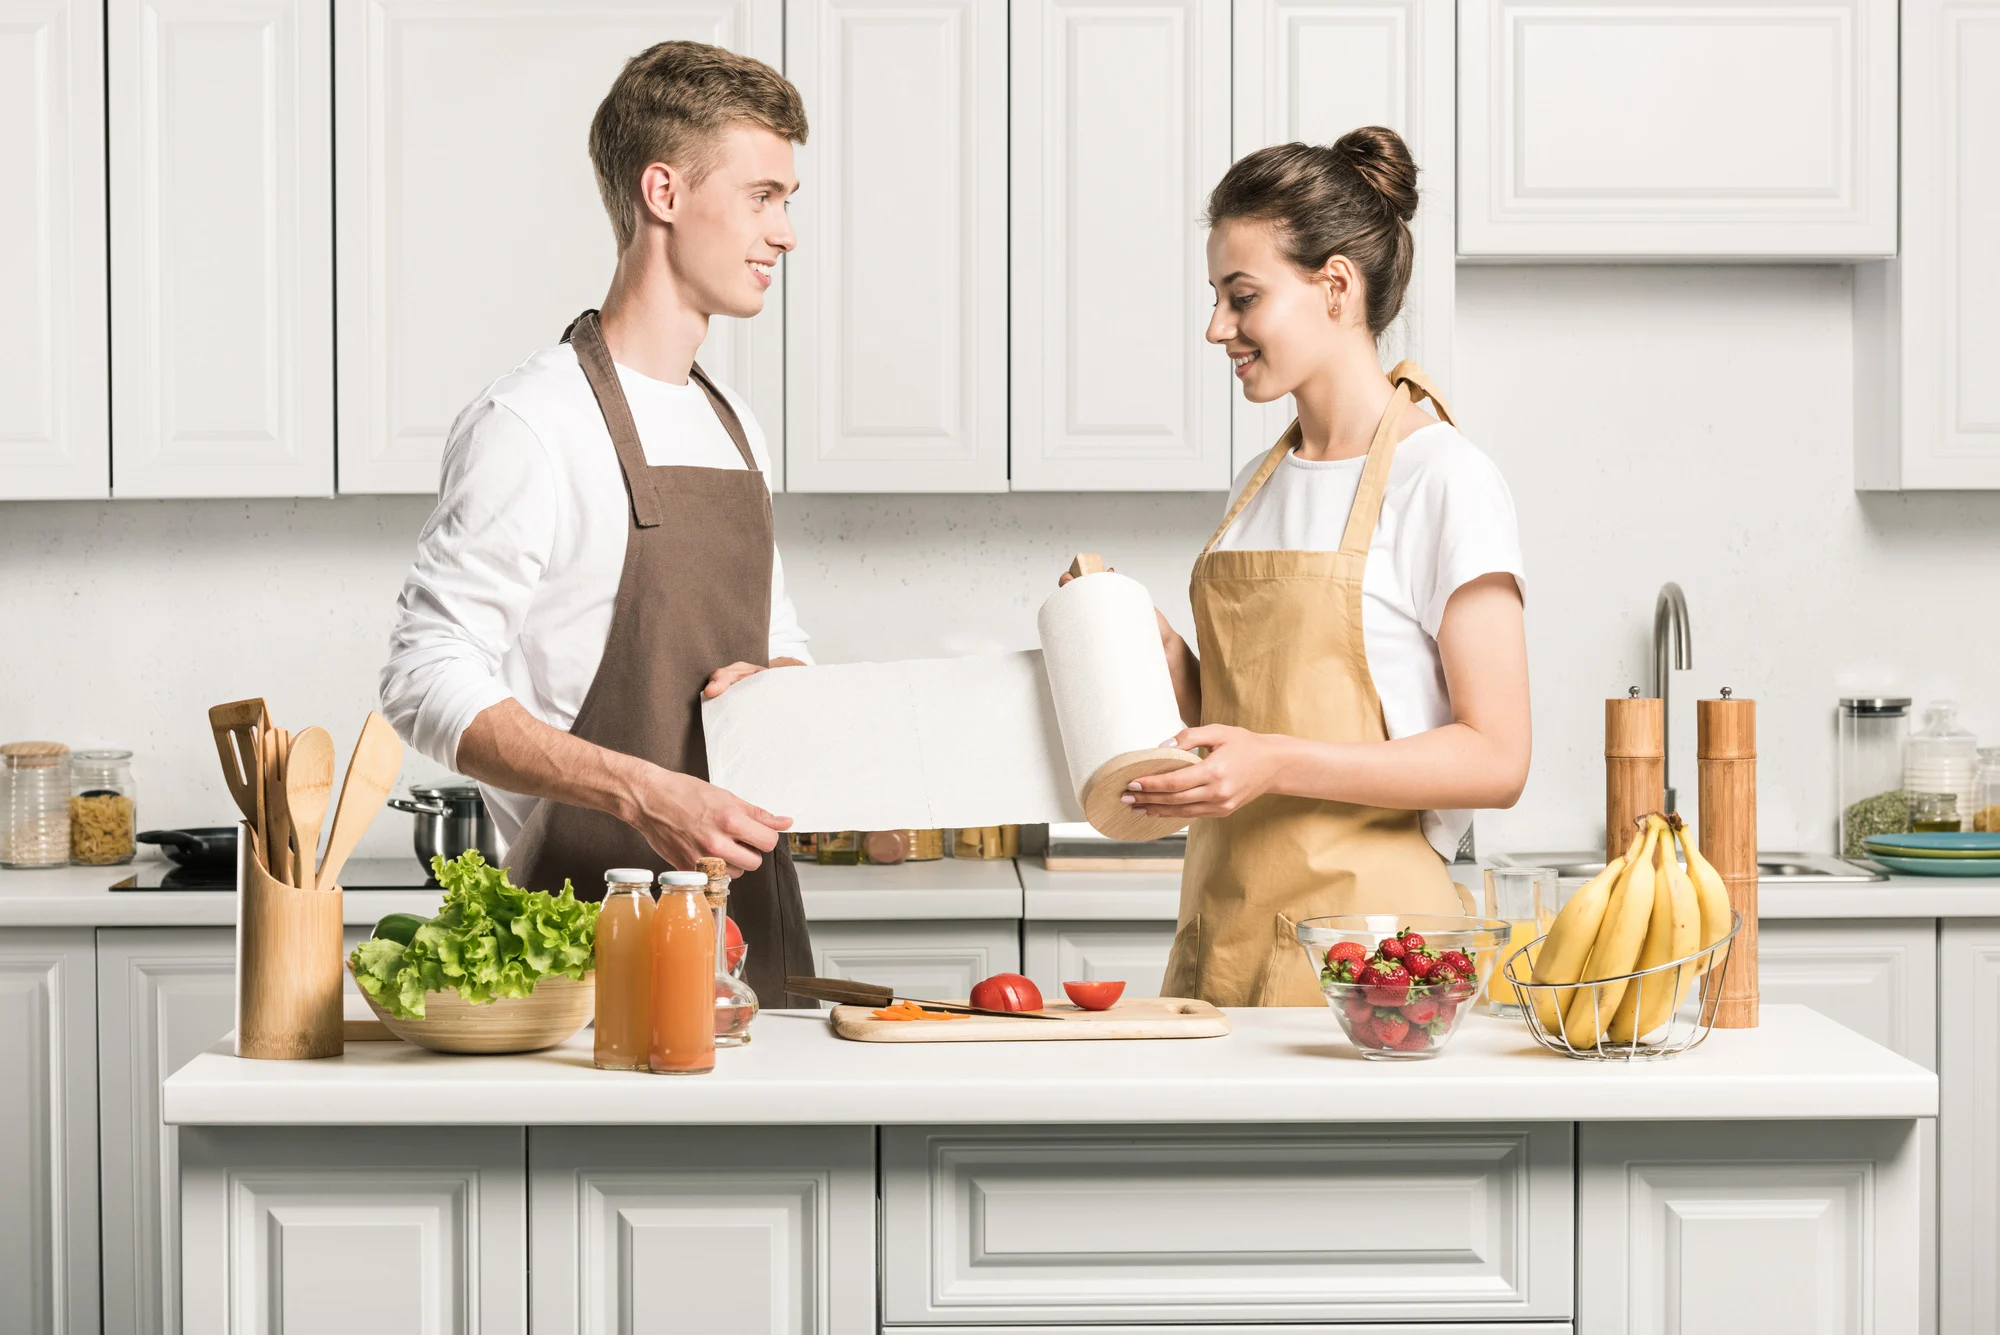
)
(1400, 984)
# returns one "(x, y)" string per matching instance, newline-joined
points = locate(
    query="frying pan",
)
(206, 847)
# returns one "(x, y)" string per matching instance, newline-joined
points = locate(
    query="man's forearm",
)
(510, 748)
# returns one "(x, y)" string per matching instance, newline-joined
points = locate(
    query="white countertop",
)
(1278, 1066)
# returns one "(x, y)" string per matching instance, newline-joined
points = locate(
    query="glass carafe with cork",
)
(624, 970)
(735, 1003)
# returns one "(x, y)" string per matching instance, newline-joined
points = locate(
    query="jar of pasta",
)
(34, 804)
(101, 820)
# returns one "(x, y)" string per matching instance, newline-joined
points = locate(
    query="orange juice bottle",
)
(625, 970)
(683, 976)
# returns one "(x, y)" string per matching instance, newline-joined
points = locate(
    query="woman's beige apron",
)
(694, 595)
(1282, 652)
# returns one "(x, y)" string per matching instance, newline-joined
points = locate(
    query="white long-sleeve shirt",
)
(517, 570)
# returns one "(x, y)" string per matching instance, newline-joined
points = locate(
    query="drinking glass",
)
(1526, 898)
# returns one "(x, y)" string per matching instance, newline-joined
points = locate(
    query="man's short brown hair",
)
(671, 104)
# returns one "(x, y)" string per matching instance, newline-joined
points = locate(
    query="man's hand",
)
(685, 820)
(723, 678)
(1240, 767)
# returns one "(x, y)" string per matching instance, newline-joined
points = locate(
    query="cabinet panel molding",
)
(1119, 126)
(468, 226)
(1969, 1126)
(1676, 129)
(55, 411)
(896, 300)
(1878, 976)
(1217, 1224)
(938, 960)
(1394, 65)
(221, 145)
(1133, 952)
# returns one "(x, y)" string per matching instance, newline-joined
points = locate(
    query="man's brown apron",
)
(695, 595)
(1282, 652)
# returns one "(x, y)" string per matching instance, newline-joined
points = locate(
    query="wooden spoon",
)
(371, 773)
(308, 790)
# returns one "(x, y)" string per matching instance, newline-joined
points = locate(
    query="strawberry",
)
(1391, 948)
(1447, 1011)
(1420, 1010)
(1391, 1028)
(1349, 952)
(1364, 1036)
(1410, 939)
(1421, 964)
(1460, 962)
(1386, 984)
(1417, 1040)
(1357, 1008)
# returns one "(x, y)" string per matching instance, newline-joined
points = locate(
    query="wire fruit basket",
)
(1554, 1018)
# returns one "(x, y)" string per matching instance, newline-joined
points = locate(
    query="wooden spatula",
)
(308, 789)
(371, 773)
(237, 726)
(277, 812)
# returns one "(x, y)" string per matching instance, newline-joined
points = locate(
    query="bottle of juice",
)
(625, 970)
(683, 977)
(735, 1003)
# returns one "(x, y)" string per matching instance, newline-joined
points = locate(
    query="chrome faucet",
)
(1670, 622)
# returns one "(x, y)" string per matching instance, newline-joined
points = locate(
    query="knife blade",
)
(847, 992)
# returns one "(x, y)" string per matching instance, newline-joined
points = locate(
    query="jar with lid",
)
(839, 848)
(1872, 732)
(624, 969)
(1986, 810)
(1942, 757)
(34, 804)
(101, 810)
(1935, 813)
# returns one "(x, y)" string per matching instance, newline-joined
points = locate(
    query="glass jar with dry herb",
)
(102, 817)
(34, 804)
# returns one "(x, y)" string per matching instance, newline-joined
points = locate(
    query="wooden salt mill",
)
(1635, 766)
(1726, 756)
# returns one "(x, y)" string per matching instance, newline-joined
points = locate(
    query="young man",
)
(601, 554)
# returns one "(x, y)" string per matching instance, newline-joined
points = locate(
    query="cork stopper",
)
(717, 872)
(33, 755)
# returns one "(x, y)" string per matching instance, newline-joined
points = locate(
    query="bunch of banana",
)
(1643, 910)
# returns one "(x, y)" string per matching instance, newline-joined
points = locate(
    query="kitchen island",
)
(1768, 1180)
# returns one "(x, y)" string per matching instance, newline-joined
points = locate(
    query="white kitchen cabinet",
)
(1876, 976)
(163, 995)
(1747, 1227)
(1677, 129)
(703, 1229)
(896, 300)
(221, 247)
(934, 960)
(1119, 127)
(54, 395)
(468, 229)
(318, 1230)
(48, 1132)
(1134, 952)
(1311, 70)
(1969, 1126)
(1927, 324)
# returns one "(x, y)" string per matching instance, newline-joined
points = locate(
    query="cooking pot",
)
(203, 848)
(450, 818)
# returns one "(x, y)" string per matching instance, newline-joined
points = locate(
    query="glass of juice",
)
(624, 969)
(683, 977)
(1526, 898)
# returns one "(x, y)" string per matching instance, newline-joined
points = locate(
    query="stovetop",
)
(359, 874)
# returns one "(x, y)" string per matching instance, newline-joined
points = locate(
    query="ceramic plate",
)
(1940, 866)
(1950, 844)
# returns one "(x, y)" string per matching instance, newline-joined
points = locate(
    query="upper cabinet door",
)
(221, 248)
(1120, 127)
(1763, 129)
(54, 398)
(1927, 325)
(896, 299)
(469, 229)
(1311, 72)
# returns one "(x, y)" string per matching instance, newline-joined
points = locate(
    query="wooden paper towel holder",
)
(1102, 791)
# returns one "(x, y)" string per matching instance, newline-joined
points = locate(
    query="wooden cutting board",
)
(1138, 1017)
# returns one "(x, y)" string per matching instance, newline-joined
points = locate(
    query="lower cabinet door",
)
(1969, 1128)
(1878, 977)
(751, 1231)
(1720, 1227)
(935, 960)
(163, 996)
(1069, 1226)
(318, 1230)
(1071, 952)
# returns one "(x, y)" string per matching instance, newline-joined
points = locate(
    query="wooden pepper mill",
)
(1726, 756)
(1635, 766)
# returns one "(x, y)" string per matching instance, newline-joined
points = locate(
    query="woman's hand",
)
(1240, 767)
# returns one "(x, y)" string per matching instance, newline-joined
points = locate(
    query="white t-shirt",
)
(1447, 518)
(517, 570)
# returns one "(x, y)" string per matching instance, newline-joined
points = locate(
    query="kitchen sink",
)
(1781, 868)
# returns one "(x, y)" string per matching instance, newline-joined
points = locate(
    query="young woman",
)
(1362, 680)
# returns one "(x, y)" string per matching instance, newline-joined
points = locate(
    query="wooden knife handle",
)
(840, 991)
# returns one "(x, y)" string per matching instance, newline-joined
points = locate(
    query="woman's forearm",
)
(1452, 768)
(1185, 669)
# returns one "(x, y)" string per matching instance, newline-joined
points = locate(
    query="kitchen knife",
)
(847, 992)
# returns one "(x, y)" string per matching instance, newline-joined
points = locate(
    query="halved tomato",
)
(1006, 992)
(1095, 996)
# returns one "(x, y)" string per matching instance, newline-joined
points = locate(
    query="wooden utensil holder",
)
(288, 965)
(1635, 767)
(1726, 755)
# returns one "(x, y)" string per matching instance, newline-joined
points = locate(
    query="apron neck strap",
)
(725, 414)
(1286, 444)
(1410, 384)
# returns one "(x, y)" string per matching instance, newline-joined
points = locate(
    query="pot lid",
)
(459, 790)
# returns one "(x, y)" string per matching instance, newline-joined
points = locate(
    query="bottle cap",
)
(629, 876)
(685, 879)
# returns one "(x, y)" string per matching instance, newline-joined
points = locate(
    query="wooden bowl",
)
(554, 1011)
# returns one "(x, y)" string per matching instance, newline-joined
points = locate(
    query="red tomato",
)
(1095, 996)
(1006, 992)
(733, 935)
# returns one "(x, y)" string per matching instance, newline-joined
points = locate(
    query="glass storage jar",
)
(1872, 732)
(1986, 810)
(1942, 757)
(1935, 813)
(101, 813)
(34, 804)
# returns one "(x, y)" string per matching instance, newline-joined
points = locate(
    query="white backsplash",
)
(1682, 423)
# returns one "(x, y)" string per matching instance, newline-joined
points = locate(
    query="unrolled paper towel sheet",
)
(992, 739)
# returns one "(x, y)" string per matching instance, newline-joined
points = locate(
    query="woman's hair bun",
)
(1382, 160)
